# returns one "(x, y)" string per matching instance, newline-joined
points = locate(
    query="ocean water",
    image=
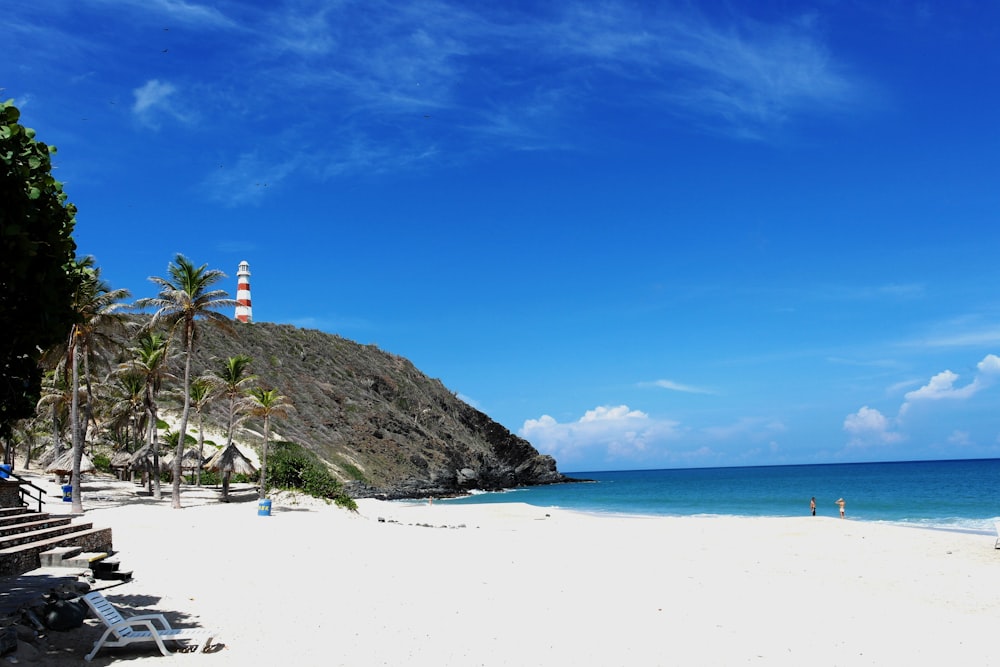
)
(953, 495)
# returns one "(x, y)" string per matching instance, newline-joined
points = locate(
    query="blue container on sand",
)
(68, 493)
(5, 471)
(264, 507)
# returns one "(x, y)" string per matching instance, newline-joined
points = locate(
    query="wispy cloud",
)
(156, 100)
(177, 12)
(384, 68)
(247, 180)
(676, 386)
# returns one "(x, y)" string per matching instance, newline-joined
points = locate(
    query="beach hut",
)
(63, 464)
(120, 463)
(190, 460)
(227, 461)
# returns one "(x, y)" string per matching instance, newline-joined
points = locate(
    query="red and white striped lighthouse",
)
(244, 313)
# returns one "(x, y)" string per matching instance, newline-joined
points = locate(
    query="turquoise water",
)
(955, 495)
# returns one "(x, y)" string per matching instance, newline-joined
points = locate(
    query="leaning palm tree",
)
(185, 298)
(267, 403)
(98, 309)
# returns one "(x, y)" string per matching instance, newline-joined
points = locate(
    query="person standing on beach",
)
(812, 505)
(841, 502)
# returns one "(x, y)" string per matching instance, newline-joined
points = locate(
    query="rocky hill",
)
(382, 426)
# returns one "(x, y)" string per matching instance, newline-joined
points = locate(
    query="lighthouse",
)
(243, 311)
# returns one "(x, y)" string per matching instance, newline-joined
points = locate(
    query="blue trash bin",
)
(68, 493)
(264, 507)
(5, 471)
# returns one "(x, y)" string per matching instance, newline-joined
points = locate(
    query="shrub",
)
(289, 466)
(101, 462)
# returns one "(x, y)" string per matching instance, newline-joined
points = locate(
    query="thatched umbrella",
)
(63, 465)
(190, 460)
(227, 461)
(120, 460)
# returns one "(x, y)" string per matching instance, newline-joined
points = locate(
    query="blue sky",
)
(641, 235)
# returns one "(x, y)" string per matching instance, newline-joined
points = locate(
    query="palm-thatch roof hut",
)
(50, 455)
(229, 460)
(190, 460)
(63, 465)
(120, 460)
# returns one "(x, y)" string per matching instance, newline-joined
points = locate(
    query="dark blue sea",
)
(954, 495)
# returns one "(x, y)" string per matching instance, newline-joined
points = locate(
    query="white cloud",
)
(154, 100)
(675, 386)
(869, 426)
(942, 386)
(603, 433)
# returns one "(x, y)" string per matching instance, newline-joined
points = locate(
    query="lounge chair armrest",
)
(151, 617)
(136, 621)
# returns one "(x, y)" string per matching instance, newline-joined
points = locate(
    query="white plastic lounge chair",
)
(135, 629)
(996, 524)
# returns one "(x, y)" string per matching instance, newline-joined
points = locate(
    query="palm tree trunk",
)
(263, 462)
(201, 446)
(175, 493)
(154, 448)
(77, 439)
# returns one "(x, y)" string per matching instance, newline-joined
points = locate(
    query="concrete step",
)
(86, 559)
(34, 531)
(24, 516)
(24, 557)
(57, 556)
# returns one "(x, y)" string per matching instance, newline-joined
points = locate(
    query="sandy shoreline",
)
(512, 584)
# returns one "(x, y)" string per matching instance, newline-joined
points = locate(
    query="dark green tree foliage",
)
(290, 466)
(37, 281)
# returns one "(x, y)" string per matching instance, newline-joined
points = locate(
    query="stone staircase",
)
(29, 540)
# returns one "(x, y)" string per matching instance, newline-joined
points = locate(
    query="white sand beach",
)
(513, 584)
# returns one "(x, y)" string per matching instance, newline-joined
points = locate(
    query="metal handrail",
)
(26, 493)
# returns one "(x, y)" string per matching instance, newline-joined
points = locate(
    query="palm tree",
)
(267, 403)
(129, 403)
(98, 309)
(184, 299)
(56, 396)
(203, 391)
(233, 379)
(150, 360)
